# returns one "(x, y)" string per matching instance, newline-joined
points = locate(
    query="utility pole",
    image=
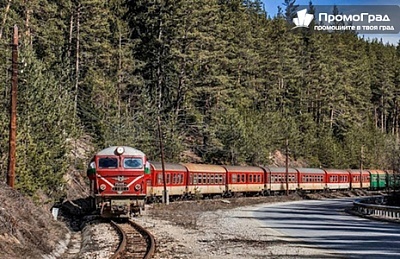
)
(361, 166)
(287, 166)
(165, 193)
(13, 111)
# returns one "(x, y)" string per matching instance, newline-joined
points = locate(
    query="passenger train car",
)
(122, 180)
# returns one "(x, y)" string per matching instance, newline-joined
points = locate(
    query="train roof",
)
(168, 166)
(243, 169)
(374, 171)
(310, 170)
(128, 151)
(280, 170)
(336, 171)
(390, 172)
(357, 171)
(201, 168)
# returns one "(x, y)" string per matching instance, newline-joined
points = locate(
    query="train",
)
(122, 180)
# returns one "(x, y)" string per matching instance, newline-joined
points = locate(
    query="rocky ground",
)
(220, 228)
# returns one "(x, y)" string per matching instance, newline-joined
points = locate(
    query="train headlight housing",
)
(102, 187)
(137, 187)
(120, 150)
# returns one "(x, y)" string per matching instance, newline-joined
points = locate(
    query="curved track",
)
(136, 242)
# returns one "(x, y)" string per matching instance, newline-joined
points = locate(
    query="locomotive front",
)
(118, 181)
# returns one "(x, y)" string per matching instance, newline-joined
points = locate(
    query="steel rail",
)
(122, 245)
(122, 248)
(151, 243)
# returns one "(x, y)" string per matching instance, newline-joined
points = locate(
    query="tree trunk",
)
(5, 18)
(28, 37)
(78, 12)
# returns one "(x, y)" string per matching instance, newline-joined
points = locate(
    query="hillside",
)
(26, 230)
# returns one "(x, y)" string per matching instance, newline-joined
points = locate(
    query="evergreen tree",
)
(290, 10)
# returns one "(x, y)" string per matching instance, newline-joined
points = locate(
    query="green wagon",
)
(378, 179)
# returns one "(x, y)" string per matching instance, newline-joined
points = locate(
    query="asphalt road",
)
(325, 224)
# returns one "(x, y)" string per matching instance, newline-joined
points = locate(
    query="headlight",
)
(120, 150)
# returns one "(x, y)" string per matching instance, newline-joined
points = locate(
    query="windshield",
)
(131, 162)
(108, 162)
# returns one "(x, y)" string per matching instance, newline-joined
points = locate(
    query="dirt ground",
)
(188, 211)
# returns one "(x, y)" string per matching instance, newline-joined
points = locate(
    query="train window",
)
(168, 178)
(108, 162)
(259, 178)
(234, 178)
(132, 163)
(159, 178)
(243, 178)
(250, 178)
(195, 179)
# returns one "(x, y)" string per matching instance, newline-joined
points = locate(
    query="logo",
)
(303, 19)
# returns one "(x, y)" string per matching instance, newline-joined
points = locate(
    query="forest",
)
(229, 84)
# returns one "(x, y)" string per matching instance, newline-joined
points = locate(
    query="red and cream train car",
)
(337, 179)
(205, 180)
(276, 179)
(247, 180)
(311, 179)
(359, 179)
(176, 176)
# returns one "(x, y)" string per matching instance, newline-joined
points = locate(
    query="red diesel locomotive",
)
(122, 180)
(118, 180)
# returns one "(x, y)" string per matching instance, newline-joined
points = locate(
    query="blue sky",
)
(271, 6)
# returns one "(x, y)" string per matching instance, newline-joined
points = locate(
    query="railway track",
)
(136, 242)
